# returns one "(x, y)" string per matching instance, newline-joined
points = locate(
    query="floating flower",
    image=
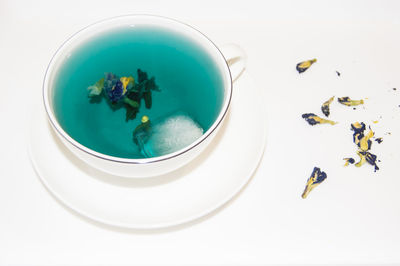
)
(325, 106)
(97, 88)
(119, 89)
(141, 135)
(143, 130)
(116, 92)
(125, 90)
(349, 102)
(316, 178)
(127, 83)
(313, 119)
(109, 81)
(303, 66)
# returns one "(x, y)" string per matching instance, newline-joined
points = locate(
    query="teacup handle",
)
(235, 58)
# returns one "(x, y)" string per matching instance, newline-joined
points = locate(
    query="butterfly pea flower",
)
(365, 142)
(371, 159)
(313, 119)
(316, 178)
(127, 83)
(109, 82)
(368, 157)
(124, 90)
(362, 141)
(116, 92)
(325, 106)
(349, 102)
(119, 87)
(362, 159)
(358, 134)
(358, 127)
(349, 161)
(303, 66)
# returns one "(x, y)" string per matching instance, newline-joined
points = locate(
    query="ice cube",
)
(172, 134)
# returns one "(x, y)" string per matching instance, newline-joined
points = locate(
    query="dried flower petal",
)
(303, 66)
(365, 142)
(349, 161)
(361, 140)
(325, 106)
(313, 119)
(366, 156)
(316, 178)
(358, 132)
(349, 102)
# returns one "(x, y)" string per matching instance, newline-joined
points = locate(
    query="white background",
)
(353, 217)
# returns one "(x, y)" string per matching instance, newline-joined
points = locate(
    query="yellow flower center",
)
(145, 118)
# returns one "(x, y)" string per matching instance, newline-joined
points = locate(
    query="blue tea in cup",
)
(190, 88)
(194, 91)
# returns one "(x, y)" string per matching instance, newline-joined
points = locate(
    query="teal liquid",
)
(187, 76)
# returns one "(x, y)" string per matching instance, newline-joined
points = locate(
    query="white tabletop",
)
(353, 217)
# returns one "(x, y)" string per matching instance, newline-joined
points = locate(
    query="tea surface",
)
(187, 76)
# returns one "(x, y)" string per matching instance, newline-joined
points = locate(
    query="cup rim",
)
(69, 139)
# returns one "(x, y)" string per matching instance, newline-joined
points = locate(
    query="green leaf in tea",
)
(148, 99)
(132, 108)
(130, 112)
(151, 85)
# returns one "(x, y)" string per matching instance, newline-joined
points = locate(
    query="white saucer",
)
(191, 192)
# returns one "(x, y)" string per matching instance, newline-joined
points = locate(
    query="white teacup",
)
(230, 66)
